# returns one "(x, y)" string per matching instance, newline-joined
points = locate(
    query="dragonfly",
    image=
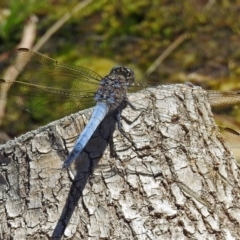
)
(109, 92)
(82, 88)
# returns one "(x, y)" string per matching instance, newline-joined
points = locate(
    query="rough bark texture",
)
(175, 179)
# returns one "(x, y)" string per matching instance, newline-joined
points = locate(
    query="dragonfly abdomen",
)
(99, 112)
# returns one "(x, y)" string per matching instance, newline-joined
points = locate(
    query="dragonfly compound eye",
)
(124, 71)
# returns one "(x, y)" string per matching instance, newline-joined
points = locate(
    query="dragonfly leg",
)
(120, 128)
(132, 106)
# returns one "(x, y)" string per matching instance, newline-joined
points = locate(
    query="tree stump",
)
(174, 178)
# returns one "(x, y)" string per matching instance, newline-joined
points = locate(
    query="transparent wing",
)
(38, 69)
(226, 109)
(47, 88)
(45, 103)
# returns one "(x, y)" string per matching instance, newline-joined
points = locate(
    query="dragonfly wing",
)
(49, 89)
(218, 99)
(38, 69)
(231, 137)
(45, 103)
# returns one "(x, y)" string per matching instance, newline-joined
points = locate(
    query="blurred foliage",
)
(136, 33)
(13, 16)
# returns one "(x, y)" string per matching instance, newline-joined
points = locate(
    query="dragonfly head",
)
(124, 71)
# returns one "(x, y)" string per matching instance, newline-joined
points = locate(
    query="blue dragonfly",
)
(40, 76)
(82, 88)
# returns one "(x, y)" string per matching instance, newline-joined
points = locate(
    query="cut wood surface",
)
(174, 179)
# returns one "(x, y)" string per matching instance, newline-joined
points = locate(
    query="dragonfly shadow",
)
(82, 170)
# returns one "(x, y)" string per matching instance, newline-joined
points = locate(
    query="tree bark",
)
(174, 178)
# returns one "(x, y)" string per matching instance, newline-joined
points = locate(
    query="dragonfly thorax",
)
(112, 90)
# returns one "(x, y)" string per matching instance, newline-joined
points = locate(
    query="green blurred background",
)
(132, 33)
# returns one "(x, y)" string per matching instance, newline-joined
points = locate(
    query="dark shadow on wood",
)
(82, 170)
